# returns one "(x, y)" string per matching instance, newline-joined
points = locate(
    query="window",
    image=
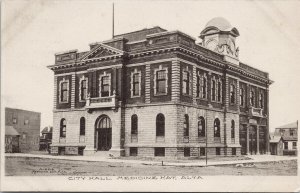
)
(186, 126)
(217, 128)
(291, 132)
(201, 127)
(252, 98)
(159, 151)
(64, 91)
(242, 96)
(233, 151)
(232, 129)
(285, 145)
(232, 94)
(186, 82)
(202, 151)
(63, 128)
(160, 125)
(26, 122)
(105, 86)
(218, 151)
(204, 87)
(136, 84)
(213, 90)
(187, 152)
(260, 100)
(15, 120)
(134, 124)
(160, 81)
(83, 89)
(219, 93)
(82, 126)
(294, 145)
(133, 151)
(198, 86)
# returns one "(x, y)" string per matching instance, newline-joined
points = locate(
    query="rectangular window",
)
(161, 82)
(187, 152)
(198, 86)
(285, 145)
(26, 122)
(186, 83)
(136, 84)
(83, 89)
(291, 132)
(213, 90)
(241, 97)
(105, 84)
(159, 151)
(202, 151)
(294, 145)
(233, 151)
(64, 92)
(14, 120)
(218, 151)
(133, 151)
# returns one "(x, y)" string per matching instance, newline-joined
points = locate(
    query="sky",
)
(33, 31)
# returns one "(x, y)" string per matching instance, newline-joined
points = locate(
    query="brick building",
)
(155, 92)
(27, 125)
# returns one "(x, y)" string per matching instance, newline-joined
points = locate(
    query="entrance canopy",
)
(10, 130)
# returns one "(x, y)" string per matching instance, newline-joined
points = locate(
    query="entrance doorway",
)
(103, 133)
(252, 140)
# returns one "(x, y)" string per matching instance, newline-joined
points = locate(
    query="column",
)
(147, 84)
(194, 85)
(257, 140)
(247, 139)
(267, 127)
(73, 91)
(175, 81)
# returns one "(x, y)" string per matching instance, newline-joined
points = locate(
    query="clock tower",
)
(219, 36)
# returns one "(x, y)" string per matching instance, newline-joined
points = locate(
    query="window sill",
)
(138, 96)
(61, 102)
(160, 94)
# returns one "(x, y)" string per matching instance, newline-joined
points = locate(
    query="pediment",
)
(102, 50)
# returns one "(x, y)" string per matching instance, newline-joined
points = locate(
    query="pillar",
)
(257, 140)
(247, 139)
(175, 81)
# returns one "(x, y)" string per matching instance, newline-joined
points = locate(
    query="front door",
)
(104, 139)
(252, 140)
(103, 135)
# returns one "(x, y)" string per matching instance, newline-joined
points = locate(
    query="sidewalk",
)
(196, 163)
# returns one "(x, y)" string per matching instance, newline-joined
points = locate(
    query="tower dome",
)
(220, 23)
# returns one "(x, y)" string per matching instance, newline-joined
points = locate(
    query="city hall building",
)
(155, 92)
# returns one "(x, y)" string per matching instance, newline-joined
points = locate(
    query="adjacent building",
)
(24, 128)
(46, 138)
(155, 92)
(288, 135)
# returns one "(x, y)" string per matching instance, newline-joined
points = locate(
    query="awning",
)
(10, 130)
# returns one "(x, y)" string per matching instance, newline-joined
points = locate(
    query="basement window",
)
(159, 151)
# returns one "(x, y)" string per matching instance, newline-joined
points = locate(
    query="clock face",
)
(211, 44)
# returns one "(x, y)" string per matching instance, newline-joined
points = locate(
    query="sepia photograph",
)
(150, 95)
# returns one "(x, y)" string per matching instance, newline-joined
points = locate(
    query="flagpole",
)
(113, 20)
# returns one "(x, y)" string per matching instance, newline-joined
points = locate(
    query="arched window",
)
(82, 126)
(232, 129)
(160, 125)
(134, 124)
(213, 90)
(232, 93)
(204, 86)
(201, 127)
(186, 126)
(260, 100)
(252, 98)
(242, 95)
(217, 128)
(63, 127)
(219, 91)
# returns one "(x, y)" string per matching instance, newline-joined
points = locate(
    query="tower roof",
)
(217, 25)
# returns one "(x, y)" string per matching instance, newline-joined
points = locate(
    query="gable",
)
(101, 51)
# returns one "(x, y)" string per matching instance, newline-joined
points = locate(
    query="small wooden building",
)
(276, 145)
(11, 140)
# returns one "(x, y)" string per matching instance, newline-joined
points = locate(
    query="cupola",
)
(219, 36)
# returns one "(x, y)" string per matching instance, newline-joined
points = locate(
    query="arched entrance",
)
(103, 133)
